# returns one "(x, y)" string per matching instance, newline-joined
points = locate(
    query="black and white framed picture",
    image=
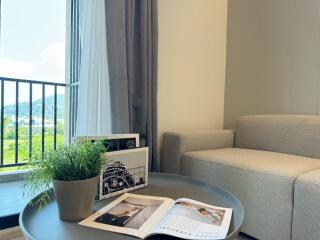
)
(126, 170)
(116, 142)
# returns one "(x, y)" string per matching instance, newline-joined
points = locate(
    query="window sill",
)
(12, 202)
(14, 176)
(11, 198)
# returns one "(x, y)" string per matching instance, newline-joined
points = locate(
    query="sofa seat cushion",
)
(260, 161)
(263, 181)
(306, 212)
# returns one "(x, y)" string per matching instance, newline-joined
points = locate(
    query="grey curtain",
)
(132, 41)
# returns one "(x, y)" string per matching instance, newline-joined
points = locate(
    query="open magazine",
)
(142, 216)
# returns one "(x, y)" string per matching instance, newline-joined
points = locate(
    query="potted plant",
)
(74, 172)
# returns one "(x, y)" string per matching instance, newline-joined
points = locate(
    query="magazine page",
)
(191, 219)
(130, 214)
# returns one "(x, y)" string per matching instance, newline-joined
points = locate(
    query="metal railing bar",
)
(76, 109)
(13, 165)
(32, 81)
(43, 117)
(71, 112)
(74, 112)
(70, 115)
(17, 124)
(55, 119)
(30, 121)
(2, 123)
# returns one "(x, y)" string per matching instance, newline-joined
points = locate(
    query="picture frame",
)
(115, 142)
(125, 171)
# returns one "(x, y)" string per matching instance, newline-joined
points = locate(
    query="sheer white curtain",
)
(94, 115)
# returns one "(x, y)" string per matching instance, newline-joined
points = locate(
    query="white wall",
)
(192, 52)
(273, 58)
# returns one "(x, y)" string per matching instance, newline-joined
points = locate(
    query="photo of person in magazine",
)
(130, 213)
(142, 216)
(199, 213)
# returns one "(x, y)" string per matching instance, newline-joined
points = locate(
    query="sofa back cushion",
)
(292, 134)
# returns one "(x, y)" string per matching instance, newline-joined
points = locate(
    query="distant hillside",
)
(10, 110)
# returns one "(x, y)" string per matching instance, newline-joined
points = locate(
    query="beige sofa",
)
(270, 162)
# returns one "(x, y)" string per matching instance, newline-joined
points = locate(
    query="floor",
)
(11, 234)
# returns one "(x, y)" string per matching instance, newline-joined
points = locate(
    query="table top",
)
(46, 225)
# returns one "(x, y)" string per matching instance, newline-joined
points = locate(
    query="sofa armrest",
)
(177, 143)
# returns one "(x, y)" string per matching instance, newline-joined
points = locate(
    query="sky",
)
(32, 44)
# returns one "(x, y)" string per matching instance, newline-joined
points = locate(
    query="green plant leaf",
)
(77, 161)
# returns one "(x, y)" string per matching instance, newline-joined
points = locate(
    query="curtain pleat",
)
(132, 58)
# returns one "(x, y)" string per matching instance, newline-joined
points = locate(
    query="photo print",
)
(198, 213)
(130, 212)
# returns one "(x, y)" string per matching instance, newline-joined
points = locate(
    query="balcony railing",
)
(29, 86)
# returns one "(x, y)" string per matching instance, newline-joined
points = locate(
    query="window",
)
(33, 39)
(32, 79)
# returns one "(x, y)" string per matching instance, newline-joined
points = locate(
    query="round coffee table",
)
(46, 225)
